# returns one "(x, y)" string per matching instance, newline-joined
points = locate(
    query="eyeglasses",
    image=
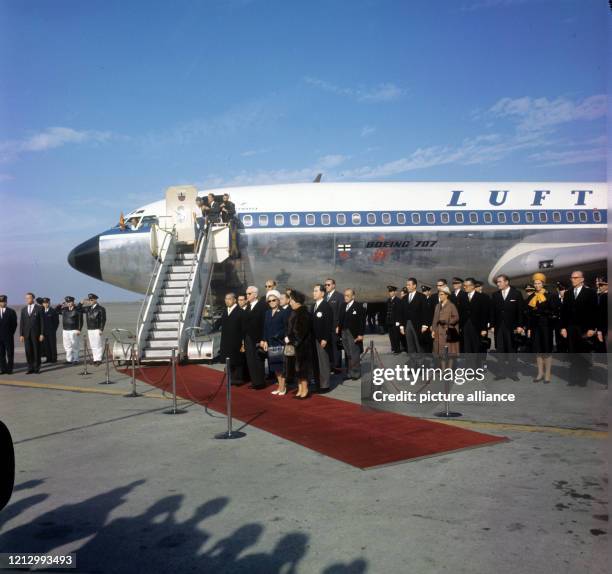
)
(575, 277)
(269, 286)
(272, 300)
(439, 284)
(249, 292)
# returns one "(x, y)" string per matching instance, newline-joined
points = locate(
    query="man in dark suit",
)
(253, 327)
(394, 319)
(579, 327)
(31, 332)
(473, 321)
(560, 342)
(50, 324)
(323, 329)
(507, 319)
(231, 325)
(212, 209)
(228, 209)
(351, 327)
(414, 318)
(335, 302)
(8, 326)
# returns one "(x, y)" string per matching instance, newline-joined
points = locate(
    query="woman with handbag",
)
(273, 343)
(444, 328)
(299, 343)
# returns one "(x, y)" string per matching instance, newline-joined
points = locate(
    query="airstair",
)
(171, 313)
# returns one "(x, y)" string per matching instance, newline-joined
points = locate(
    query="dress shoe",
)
(302, 398)
(29, 371)
(546, 382)
(323, 391)
(538, 379)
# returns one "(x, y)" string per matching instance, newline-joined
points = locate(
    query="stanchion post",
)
(229, 434)
(85, 371)
(447, 413)
(174, 410)
(106, 354)
(133, 357)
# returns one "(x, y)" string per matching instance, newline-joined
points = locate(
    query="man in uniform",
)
(96, 321)
(351, 327)
(560, 342)
(578, 326)
(31, 332)
(393, 319)
(322, 328)
(51, 323)
(8, 326)
(507, 319)
(335, 301)
(602, 314)
(72, 323)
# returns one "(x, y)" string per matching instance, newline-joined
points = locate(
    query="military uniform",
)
(96, 321)
(72, 323)
(50, 325)
(393, 319)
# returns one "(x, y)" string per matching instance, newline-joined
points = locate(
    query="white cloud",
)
(536, 114)
(385, 92)
(330, 161)
(549, 157)
(367, 131)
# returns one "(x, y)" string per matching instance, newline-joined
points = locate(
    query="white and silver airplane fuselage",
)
(369, 235)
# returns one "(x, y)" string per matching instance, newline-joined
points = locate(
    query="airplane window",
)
(371, 218)
(310, 219)
(501, 217)
(294, 219)
(356, 219)
(473, 217)
(516, 217)
(583, 216)
(529, 218)
(279, 219)
(597, 216)
(263, 220)
(569, 215)
(458, 217)
(431, 218)
(341, 219)
(556, 217)
(386, 218)
(543, 217)
(325, 219)
(401, 218)
(488, 217)
(416, 218)
(149, 220)
(247, 220)
(444, 217)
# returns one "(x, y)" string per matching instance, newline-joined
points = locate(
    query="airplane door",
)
(180, 211)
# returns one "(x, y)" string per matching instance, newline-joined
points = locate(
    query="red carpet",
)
(341, 430)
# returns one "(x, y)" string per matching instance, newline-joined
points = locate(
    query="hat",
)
(561, 286)
(69, 299)
(46, 300)
(404, 290)
(539, 277)
(425, 288)
(272, 293)
(444, 289)
(298, 297)
(39, 300)
(391, 288)
(92, 296)
(457, 280)
(603, 280)
(3, 298)
(529, 287)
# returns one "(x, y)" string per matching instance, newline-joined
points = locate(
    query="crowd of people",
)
(278, 337)
(38, 324)
(460, 319)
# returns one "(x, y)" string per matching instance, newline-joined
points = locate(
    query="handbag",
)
(289, 350)
(275, 352)
(452, 335)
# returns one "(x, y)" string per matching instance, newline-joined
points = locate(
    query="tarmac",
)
(129, 488)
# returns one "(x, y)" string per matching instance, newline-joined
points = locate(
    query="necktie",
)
(576, 292)
(29, 309)
(470, 295)
(1, 313)
(410, 297)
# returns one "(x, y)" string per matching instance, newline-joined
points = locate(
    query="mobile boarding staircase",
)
(171, 313)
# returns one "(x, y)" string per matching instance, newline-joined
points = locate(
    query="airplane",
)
(368, 235)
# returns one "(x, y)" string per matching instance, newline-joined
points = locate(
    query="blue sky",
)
(105, 104)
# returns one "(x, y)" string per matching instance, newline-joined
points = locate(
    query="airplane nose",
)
(86, 257)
